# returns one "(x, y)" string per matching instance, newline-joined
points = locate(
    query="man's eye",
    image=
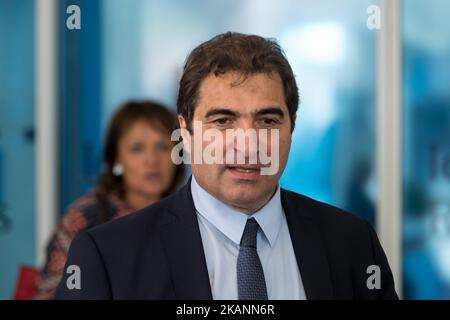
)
(269, 121)
(222, 121)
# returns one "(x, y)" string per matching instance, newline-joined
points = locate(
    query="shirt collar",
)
(232, 222)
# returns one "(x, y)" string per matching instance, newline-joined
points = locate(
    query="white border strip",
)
(389, 136)
(46, 122)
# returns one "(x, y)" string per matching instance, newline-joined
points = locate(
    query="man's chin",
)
(242, 200)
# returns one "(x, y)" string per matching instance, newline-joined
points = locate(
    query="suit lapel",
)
(183, 244)
(309, 250)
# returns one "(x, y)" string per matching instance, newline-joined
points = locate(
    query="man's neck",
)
(249, 210)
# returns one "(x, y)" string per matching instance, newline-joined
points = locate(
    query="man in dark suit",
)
(231, 232)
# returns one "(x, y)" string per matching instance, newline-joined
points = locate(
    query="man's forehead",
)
(233, 92)
(238, 80)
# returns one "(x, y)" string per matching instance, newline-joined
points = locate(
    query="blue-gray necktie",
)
(250, 274)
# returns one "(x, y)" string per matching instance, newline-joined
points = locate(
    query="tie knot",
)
(250, 231)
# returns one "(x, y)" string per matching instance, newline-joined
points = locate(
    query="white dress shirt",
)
(221, 229)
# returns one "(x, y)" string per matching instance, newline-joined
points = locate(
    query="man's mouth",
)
(244, 171)
(244, 168)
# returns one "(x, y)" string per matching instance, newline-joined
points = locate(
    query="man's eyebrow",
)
(221, 111)
(270, 110)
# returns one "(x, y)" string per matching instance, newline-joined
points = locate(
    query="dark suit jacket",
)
(157, 253)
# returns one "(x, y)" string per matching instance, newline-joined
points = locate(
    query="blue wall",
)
(17, 238)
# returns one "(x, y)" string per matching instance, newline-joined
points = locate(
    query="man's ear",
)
(181, 122)
(185, 134)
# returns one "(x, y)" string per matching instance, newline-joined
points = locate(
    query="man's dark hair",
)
(234, 52)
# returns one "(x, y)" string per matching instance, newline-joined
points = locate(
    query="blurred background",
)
(135, 49)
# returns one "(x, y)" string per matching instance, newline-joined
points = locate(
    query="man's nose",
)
(246, 140)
